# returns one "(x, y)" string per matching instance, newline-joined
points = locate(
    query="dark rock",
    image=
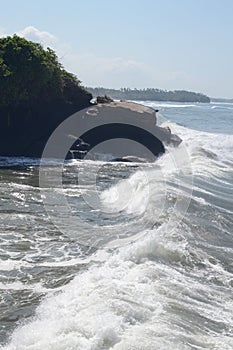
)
(25, 130)
(104, 99)
(129, 128)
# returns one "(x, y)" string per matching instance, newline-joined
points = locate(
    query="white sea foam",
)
(130, 195)
(220, 144)
(9, 265)
(19, 286)
(129, 302)
(167, 105)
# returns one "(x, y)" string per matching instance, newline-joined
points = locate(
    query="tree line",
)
(150, 94)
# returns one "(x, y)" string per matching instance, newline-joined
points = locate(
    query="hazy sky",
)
(167, 44)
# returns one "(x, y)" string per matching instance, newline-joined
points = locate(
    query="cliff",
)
(111, 130)
(36, 95)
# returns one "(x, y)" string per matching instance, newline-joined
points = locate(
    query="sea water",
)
(168, 283)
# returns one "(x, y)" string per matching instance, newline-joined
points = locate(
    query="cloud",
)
(118, 64)
(34, 34)
(94, 70)
(105, 64)
(106, 71)
(90, 68)
(115, 72)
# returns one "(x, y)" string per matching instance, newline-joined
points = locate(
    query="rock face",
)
(36, 95)
(24, 131)
(103, 99)
(121, 130)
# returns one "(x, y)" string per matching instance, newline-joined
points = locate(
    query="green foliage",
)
(150, 94)
(29, 73)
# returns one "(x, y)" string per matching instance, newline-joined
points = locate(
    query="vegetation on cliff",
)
(150, 94)
(36, 95)
(29, 73)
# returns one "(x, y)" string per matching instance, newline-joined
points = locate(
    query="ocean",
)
(149, 267)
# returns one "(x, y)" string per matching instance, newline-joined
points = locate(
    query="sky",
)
(166, 44)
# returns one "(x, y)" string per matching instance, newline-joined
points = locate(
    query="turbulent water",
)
(166, 285)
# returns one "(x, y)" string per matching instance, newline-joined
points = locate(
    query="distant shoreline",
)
(150, 94)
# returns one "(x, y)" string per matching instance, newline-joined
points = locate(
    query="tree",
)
(29, 73)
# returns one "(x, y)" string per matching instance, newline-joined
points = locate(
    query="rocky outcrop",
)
(36, 95)
(122, 130)
(103, 99)
(128, 128)
(25, 130)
